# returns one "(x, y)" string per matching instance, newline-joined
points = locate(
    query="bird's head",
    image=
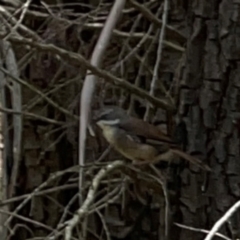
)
(110, 116)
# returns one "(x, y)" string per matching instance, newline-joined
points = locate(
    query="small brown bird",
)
(138, 140)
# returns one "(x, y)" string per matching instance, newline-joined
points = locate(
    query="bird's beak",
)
(100, 123)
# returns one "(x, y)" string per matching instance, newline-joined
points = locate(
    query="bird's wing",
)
(144, 129)
(130, 146)
(133, 137)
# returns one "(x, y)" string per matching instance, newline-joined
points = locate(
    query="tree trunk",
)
(209, 108)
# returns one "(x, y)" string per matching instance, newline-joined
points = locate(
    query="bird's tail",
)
(191, 159)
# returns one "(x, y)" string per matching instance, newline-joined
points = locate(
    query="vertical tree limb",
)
(89, 85)
(16, 96)
(159, 56)
(4, 149)
(90, 80)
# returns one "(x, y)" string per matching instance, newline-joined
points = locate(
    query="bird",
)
(138, 140)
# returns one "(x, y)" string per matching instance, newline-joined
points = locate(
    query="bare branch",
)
(136, 35)
(22, 27)
(77, 59)
(90, 80)
(105, 227)
(13, 214)
(201, 230)
(222, 220)
(44, 184)
(31, 115)
(159, 55)
(90, 196)
(5, 150)
(40, 193)
(174, 33)
(24, 10)
(16, 96)
(40, 93)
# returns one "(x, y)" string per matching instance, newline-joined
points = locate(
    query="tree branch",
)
(222, 220)
(78, 59)
(90, 196)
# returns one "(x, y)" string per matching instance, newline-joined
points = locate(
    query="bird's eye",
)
(102, 114)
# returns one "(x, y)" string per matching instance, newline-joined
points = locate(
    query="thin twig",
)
(142, 65)
(33, 102)
(40, 193)
(154, 19)
(222, 220)
(22, 27)
(106, 199)
(66, 209)
(201, 230)
(18, 23)
(40, 93)
(160, 46)
(78, 59)
(44, 184)
(90, 196)
(159, 56)
(136, 35)
(32, 115)
(161, 181)
(105, 227)
(13, 214)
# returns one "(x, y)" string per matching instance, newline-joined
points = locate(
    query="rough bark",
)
(209, 107)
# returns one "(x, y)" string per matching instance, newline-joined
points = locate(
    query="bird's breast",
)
(110, 134)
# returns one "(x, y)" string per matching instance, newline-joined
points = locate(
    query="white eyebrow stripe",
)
(109, 122)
